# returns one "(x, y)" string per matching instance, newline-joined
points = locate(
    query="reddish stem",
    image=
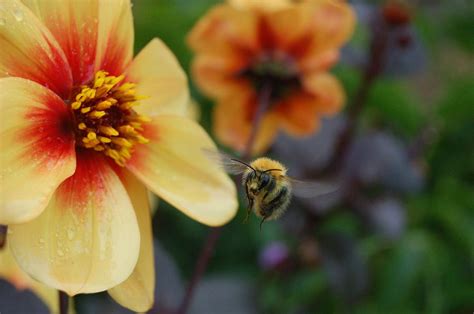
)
(63, 302)
(3, 236)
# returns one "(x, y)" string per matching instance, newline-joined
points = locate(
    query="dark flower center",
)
(278, 71)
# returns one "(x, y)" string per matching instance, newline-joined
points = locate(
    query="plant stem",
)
(63, 302)
(3, 235)
(213, 236)
(375, 66)
(200, 268)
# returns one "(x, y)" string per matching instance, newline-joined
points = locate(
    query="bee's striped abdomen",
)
(275, 206)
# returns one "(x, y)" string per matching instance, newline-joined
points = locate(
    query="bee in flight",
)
(267, 186)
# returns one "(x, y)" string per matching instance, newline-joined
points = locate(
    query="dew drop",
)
(18, 14)
(70, 234)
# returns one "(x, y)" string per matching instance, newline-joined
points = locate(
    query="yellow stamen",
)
(76, 105)
(106, 120)
(104, 139)
(91, 135)
(97, 114)
(108, 130)
(122, 142)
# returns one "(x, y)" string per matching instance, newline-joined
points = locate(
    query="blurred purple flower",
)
(380, 158)
(273, 255)
(387, 217)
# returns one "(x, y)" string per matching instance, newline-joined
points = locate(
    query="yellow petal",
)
(174, 166)
(37, 152)
(137, 292)
(10, 271)
(115, 36)
(29, 50)
(87, 240)
(161, 79)
(193, 110)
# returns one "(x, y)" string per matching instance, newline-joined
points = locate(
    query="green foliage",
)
(391, 104)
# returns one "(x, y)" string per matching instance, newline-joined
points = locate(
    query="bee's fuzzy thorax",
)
(264, 163)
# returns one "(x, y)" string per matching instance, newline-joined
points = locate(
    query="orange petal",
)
(225, 28)
(29, 50)
(264, 5)
(87, 240)
(174, 166)
(137, 292)
(218, 75)
(288, 25)
(331, 25)
(232, 124)
(37, 151)
(115, 36)
(329, 91)
(160, 78)
(298, 114)
(318, 61)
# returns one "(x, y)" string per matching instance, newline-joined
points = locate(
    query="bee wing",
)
(228, 163)
(308, 189)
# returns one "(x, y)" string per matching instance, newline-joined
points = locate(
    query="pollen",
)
(105, 119)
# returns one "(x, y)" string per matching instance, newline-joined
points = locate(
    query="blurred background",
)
(398, 237)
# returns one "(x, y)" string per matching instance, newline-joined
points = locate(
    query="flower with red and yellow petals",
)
(245, 46)
(85, 131)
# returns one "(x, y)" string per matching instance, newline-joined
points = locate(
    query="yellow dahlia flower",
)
(85, 130)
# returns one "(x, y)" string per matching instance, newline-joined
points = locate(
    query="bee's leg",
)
(261, 222)
(249, 209)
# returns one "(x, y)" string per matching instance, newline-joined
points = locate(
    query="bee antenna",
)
(271, 170)
(244, 163)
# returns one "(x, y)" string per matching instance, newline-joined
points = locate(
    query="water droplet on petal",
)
(70, 234)
(18, 14)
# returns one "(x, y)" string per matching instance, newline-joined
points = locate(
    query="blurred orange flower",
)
(243, 46)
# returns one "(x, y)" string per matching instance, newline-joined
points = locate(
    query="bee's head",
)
(257, 180)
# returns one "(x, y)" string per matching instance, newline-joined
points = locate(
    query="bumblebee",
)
(267, 186)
